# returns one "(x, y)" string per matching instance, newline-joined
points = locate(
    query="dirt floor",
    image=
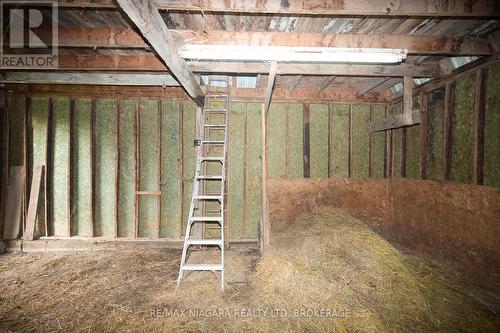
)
(117, 291)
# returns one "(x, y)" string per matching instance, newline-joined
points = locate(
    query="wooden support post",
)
(403, 152)
(117, 169)
(306, 146)
(158, 174)
(4, 150)
(27, 111)
(70, 167)
(330, 143)
(407, 94)
(266, 228)
(137, 168)
(479, 117)
(370, 144)
(447, 130)
(349, 148)
(388, 145)
(92, 167)
(423, 134)
(49, 171)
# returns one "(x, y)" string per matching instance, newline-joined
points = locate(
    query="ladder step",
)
(220, 142)
(206, 219)
(214, 126)
(208, 197)
(216, 110)
(211, 158)
(202, 267)
(204, 242)
(209, 177)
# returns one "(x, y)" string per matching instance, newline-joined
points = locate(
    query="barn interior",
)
(248, 165)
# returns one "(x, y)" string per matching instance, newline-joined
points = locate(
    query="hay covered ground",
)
(327, 272)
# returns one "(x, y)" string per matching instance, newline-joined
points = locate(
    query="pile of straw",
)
(331, 261)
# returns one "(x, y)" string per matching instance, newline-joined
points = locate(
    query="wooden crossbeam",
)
(150, 63)
(415, 44)
(145, 15)
(414, 8)
(117, 79)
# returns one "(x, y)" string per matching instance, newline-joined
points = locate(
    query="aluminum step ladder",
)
(210, 172)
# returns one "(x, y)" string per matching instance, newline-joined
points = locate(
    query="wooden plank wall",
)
(461, 142)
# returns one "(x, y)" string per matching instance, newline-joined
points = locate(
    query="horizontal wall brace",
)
(400, 120)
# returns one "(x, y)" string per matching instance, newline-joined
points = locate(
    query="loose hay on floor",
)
(329, 260)
(326, 260)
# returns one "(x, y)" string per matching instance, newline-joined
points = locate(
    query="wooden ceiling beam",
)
(415, 44)
(80, 78)
(414, 8)
(149, 62)
(145, 15)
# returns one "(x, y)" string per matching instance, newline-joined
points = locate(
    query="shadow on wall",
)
(455, 224)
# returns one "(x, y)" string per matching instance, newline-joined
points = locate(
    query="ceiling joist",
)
(415, 44)
(415, 8)
(149, 62)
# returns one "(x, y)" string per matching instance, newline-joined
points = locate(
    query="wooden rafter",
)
(415, 44)
(148, 20)
(372, 85)
(326, 83)
(415, 8)
(294, 83)
(270, 85)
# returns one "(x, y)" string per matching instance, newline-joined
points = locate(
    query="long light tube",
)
(292, 54)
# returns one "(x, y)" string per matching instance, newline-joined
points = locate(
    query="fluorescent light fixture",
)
(292, 54)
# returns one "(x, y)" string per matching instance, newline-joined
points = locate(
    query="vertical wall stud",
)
(370, 117)
(70, 166)
(307, 151)
(92, 167)
(48, 170)
(388, 144)
(330, 155)
(158, 175)
(447, 132)
(479, 116)
(117, 168)
(5, 154)
(403, 152)
(423, 133)
(137, 168)
(349, 148)
(27, 111)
